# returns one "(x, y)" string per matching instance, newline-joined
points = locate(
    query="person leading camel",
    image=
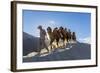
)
(42, 39)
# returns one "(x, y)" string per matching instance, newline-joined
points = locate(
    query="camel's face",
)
(49, 30)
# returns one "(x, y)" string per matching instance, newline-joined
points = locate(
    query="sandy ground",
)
(73, 51)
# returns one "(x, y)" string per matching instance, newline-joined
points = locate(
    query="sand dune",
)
(73, 51)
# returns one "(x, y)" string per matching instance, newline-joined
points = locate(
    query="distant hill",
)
(30, 43)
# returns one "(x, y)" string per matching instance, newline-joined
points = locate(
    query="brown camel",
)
(73, 36)
(53, 35)
(63, 35)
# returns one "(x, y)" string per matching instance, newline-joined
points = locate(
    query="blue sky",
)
(77, 22)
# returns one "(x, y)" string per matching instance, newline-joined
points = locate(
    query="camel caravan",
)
(58, 37)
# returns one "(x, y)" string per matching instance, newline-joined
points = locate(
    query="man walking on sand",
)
(42, 39)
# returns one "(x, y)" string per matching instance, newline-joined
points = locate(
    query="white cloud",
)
(86, 40)
(49, 23)
(52, 22)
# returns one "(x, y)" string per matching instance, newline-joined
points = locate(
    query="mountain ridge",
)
(30, 43)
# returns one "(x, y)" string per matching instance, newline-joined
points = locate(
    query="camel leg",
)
(46, 47)
(64, 43)
(51, 44)
(57, 44)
